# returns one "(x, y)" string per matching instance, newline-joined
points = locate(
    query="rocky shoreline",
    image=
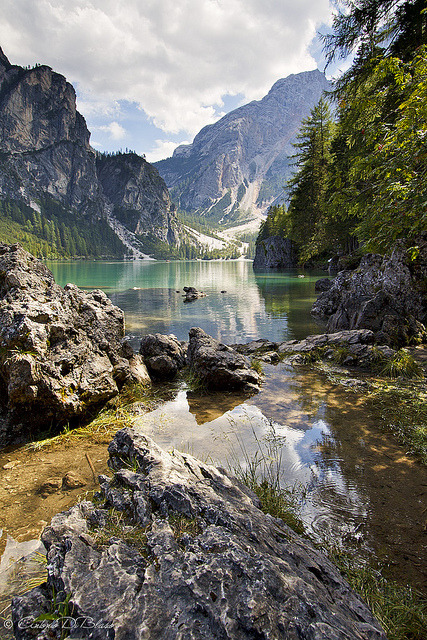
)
(191, 536)
(166, 527)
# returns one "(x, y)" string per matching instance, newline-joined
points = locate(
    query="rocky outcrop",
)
(61, 353)
(236, 167)
(46, 163)
(387, 294)
(140, 198)
(163, 355)
(193, 538)
(218, 366)
(191, 293)
(275, 252)
(350, 348)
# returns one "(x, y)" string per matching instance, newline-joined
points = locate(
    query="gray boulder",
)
(59, 348)
(324, 284)
(196, 558)
(163, 355)
(218, 366)
(275, 253)
(386, 294)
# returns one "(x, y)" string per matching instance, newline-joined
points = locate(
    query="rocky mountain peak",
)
(236, 168)
(47, 162)
(4, 62)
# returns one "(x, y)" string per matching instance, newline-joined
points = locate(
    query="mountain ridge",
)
(236, 167)
(49, 170)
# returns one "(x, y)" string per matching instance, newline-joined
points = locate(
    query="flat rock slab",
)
(209, 565)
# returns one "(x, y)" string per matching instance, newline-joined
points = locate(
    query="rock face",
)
(46, 163)
(385, 294)
(275, 252)
(60, 349)
(163, 355)
(218, 366)
(196, 559)
(237, 166)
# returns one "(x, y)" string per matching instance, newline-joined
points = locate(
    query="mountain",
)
(236, 168)
(57, 195)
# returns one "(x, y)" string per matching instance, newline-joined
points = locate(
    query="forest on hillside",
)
(360, 180)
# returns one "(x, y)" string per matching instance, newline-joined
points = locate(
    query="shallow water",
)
(361, 488)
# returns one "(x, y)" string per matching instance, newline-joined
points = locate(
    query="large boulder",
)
(387, 294)
(218, 366)
(60, 349)
(163, 355)
(180, 549)
(275, 252)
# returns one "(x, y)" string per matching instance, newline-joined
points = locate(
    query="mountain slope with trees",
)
(361, 179)
(57, 196)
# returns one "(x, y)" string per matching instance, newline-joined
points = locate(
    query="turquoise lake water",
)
(240, 305)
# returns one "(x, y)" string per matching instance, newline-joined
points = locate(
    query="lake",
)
(361, 490)
(240, 305)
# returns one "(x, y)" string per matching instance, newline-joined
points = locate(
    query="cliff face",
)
(237, 167)
(275, 252)
(45, 153)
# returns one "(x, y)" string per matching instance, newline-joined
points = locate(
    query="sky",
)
(149, 74)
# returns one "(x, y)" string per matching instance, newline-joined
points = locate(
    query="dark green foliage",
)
(366, 185)
(276, 223)
(56, 232)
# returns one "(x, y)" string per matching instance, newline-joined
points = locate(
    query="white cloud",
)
(163, 149)
(175, 59)
(114, 130)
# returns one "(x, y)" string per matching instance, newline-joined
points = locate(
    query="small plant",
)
(118, 525)
(182, 525)
(401, 611)
(341, 353)
(402, 365)
(256, 365)
(194, 381)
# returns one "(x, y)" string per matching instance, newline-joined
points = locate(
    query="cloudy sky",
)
(149, 74)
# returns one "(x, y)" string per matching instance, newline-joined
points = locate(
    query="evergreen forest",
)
(360, 162)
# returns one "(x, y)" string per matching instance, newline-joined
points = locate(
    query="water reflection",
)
(361, 489)
(239, 306)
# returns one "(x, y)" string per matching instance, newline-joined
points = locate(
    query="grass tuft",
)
(402, 365)
(401, 611)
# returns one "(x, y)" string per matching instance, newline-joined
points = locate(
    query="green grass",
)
(402, 409)
(256, 365)
(120, 412)
(401, 611)
(402, 365)
(118, 525)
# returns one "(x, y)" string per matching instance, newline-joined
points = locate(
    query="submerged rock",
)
(193, 294)
(59, 348)
(163, 355)
(195, 558)
(386, 294)
(218, 366)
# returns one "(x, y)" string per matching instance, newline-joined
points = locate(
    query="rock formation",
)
(179, 549)
(387, 294)
(218, 366)
(47, 164)
(275, 252)
(237, 167)
(163, 355)
(191, 293)
(61, 353)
